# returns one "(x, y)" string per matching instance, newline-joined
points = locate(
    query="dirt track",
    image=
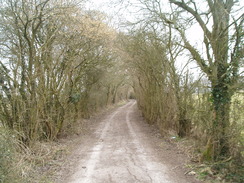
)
(122, 149)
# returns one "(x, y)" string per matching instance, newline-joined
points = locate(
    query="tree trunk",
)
(221, 101)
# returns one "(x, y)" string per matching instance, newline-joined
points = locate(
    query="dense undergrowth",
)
(230, 169)
(9, 157)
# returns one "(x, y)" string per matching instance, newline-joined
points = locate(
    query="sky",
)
(116, 13)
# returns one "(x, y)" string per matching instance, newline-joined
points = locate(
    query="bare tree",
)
(221, 62)
(53, 55)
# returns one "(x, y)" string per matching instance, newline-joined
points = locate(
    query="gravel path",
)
(122, 149)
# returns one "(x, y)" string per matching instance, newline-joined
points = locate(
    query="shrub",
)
(8, 168)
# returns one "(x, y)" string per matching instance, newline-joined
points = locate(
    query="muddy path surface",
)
(121, 148)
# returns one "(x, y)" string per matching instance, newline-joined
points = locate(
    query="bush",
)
(8, 168)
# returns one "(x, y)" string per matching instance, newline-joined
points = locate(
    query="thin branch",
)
(184, 6)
